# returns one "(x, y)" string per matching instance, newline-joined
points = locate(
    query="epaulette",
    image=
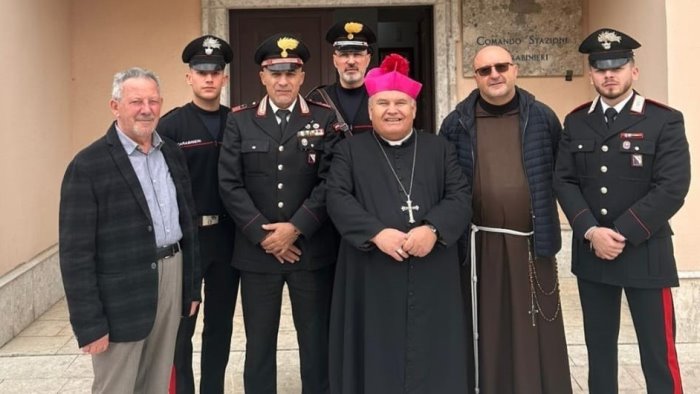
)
(658, 104)
(320, 104)
(580, 107)
(241, 107)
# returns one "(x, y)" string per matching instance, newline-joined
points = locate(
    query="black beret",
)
(350, 36)
(207, 53)
(608, 48)
(282, 52)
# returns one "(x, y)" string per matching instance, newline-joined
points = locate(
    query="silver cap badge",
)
(607, 37)
(209, 44)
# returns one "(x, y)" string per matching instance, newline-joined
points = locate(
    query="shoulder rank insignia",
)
(244, 106)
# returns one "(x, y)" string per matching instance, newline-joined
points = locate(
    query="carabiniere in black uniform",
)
(199, 133)
(274, 174)
(632, 177)
(350, 103)
(266, 178)
(630, 174)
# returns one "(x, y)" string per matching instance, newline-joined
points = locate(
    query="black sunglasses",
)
(486, 70)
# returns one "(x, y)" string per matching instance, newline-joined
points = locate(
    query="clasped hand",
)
(279, 242)
(418, 242)
(607, 243)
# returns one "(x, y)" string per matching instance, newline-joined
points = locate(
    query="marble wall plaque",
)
(542, 35)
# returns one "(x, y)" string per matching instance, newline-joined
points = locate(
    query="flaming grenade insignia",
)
(287, 44)
(209, 44)
(607, 37)
(353, 28)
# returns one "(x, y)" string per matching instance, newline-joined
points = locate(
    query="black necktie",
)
(282, 114)
(610, 115)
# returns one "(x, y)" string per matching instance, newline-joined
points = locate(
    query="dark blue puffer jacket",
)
(541, 132)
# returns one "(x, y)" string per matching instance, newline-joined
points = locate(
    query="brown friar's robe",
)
(515, 356)
(397, 327)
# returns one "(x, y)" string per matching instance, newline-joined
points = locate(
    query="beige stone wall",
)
(35, 134)
(683, 87)
(59, 57)
(112, 35)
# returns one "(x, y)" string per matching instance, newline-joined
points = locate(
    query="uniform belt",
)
(168, 251)
(209, 220)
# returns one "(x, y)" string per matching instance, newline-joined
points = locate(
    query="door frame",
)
(446, 31)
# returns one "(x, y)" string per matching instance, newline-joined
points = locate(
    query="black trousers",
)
(220, 293)
(654, 322)
(310, 295)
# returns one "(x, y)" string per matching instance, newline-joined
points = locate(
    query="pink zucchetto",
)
(392, 75)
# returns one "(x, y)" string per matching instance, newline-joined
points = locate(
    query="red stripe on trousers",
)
(671, 357)
(172, 389)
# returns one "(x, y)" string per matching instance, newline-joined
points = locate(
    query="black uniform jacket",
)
(360, 120)
(185, 126)
(633, 178)
(107, 246)
(266, 177)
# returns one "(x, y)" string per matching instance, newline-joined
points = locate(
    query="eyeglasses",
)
(486, 70)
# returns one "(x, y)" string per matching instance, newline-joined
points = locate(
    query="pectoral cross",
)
(410, 208)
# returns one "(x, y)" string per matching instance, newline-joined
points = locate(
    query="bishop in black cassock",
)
(400, 202)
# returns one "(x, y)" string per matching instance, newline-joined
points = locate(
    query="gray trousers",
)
(144, 366)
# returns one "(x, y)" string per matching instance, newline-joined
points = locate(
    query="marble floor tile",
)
(59, 311)
(31, 386)
(579, 377)
(690, 376)
(67, 330)
(77, 386)
(70, 347)
(578, 355)
(688, 353)
(34, 367)
(22, 345)
(45, 356)
(81, 367)
(46, 328)
(626, 378)
(574, 334)
(288, 360)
